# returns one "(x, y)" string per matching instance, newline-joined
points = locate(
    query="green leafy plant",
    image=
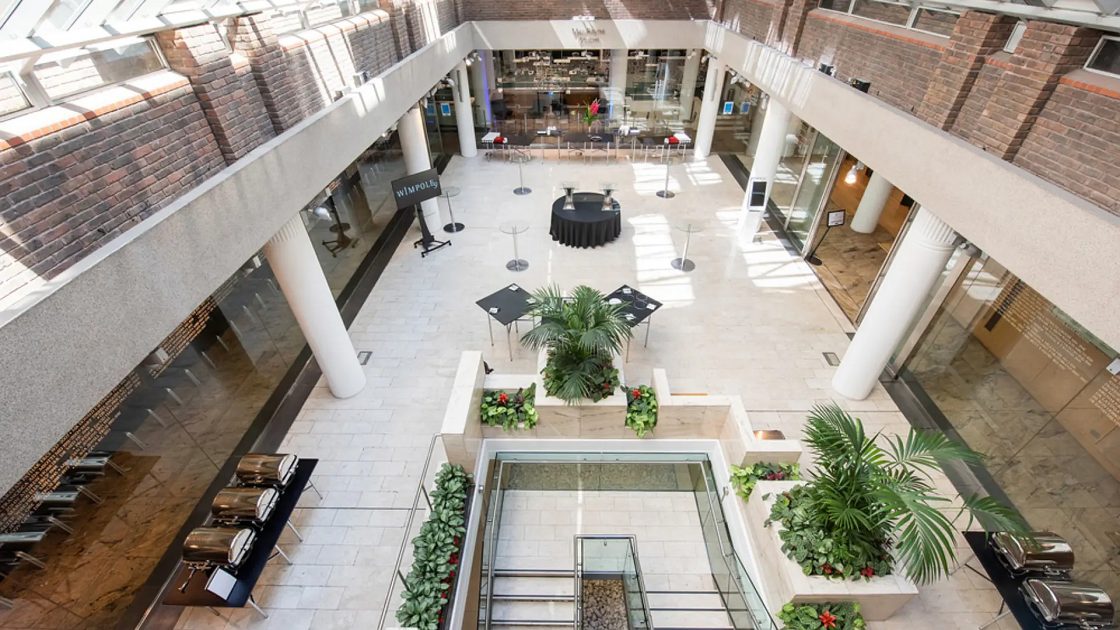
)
(744, 478)
(510, 411)
(869, 505)
(840, 616)
(641, 409)
(581, 334)
(435, 552)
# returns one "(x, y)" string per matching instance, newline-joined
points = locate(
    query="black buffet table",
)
(1006, 584)
(588, 225)
(250, 570)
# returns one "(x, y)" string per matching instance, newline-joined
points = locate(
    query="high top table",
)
(588, 225)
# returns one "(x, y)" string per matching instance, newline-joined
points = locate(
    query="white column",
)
(617, 90)
(771, 144)
(913, 273)
(297, 270)
(871, 204)
(709, 109)
(480, 89)
(491, 71)
(688, 82)
(414, 145)
(464, 118)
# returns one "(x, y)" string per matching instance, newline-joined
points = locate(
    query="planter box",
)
(783, 580)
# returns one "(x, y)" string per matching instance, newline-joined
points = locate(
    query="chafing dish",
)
(208, 547)
(266, 469)
(1060, 604)
(242, 506)
(1038, 553)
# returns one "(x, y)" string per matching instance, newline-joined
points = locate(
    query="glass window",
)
(69, 73)
(888, 12)
(11, 96)
(1016, 36)
(836, 5)
(65, 12)
(1107, 56)
(935, 22)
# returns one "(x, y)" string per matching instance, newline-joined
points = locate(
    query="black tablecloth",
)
(587, 225)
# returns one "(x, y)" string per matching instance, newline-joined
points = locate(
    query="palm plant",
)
(863, 494)
(581, 334)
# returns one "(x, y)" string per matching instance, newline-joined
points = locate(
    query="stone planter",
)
(783, 580)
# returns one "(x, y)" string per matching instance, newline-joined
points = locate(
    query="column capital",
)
(293, 228)
(932, 230)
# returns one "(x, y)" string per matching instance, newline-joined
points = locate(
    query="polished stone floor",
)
(750, 320)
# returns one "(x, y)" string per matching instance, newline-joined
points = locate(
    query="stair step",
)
(680, 619)
(550, 611)
(524, 624)
(529, 597)
(568, 573)
(535, 585)
(684, 600)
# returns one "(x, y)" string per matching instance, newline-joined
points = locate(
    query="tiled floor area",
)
(750, 320)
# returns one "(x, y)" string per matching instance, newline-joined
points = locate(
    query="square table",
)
(508, 305)
(520, 144)
(637, 307)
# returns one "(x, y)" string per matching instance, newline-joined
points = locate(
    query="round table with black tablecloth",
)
(588, 225)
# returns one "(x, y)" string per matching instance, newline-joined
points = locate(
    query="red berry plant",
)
(435, 553)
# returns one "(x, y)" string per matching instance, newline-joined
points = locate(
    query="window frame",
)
(79, 52)
(1016, 37)
(22, 92)
(1097, 50)
(914, 18)
(910, 19)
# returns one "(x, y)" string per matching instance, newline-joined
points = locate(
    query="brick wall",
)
(897, 62)
(605, 9)
(978, 96)
(756, 19)
(44, 476)
(1075, 142)
(224, 85)
(71, 182)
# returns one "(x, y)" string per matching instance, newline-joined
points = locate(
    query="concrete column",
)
(871, 204)
(689, 76)
(709, 109)
(464, 117)
(414, 145)
(617, 90)
(297, 270)
(480, 88)
(771, 145)
(491, 71)
(913, 274)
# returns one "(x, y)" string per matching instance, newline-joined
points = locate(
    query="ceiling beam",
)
(1104, 22)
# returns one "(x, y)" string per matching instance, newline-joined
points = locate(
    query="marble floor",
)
(750, 320)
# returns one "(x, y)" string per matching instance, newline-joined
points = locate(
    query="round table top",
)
(589, 208)
(690, 228)
(451, 191)
(513, 227)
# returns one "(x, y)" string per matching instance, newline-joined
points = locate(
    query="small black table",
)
(509, 306)
(637, 307)
(588, 225)
(250, 570)
(1006, 584)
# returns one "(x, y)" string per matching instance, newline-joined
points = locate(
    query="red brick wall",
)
(224, 86)
(605, 9)
(1075, 141)
(756, 19)
(977, 99)
(74, 183)
(897, 62)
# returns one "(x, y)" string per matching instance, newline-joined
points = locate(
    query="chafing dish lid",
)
(220, 545)
(244, 503)
(1036, 550)
(268, 467)
(1060, 601)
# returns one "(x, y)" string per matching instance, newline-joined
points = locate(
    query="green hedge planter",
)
(840, 616)
(510, 411)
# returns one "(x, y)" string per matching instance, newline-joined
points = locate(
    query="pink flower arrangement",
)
(592, 112)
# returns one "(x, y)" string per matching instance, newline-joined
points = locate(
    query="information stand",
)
(411, 191)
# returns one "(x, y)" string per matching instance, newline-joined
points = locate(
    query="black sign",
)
(411, 190)
(758, 193)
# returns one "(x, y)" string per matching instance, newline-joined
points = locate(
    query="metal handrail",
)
(407, 528)
(729, 552)
(577, 546)
(491, 530)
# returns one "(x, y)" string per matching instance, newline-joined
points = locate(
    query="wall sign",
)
(744, 107)
(588, 34)
(411, 190)
(758, 194)
(445, 109)
(835, 218)
(729, 107)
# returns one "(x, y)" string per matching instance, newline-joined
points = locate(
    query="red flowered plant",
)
(592, 113)
(744, 478)
(641, 409)
(510, 411)
(867, 572)
(828, 616)
(828, 620)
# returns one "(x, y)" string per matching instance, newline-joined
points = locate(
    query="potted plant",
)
(868, 506)
(641, 409)
(591, 114)
(581, 334)
(841, 616)
(744, 478)
(510, 411)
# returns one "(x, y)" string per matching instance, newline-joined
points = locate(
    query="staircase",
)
(681, 610)
(540, 598)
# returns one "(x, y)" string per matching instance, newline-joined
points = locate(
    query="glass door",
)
(816, 179)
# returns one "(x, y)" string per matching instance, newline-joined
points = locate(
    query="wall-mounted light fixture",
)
(861, 85)
(828, 69)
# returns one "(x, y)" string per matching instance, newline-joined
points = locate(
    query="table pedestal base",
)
(522, 190)
(666, 194)
(517, 264)
(683, 264)
(454, 227)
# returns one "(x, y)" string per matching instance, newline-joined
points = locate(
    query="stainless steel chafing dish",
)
(266, 469)
(1060, 604)
(209, 547)
(1039, 553)
(239, 506)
